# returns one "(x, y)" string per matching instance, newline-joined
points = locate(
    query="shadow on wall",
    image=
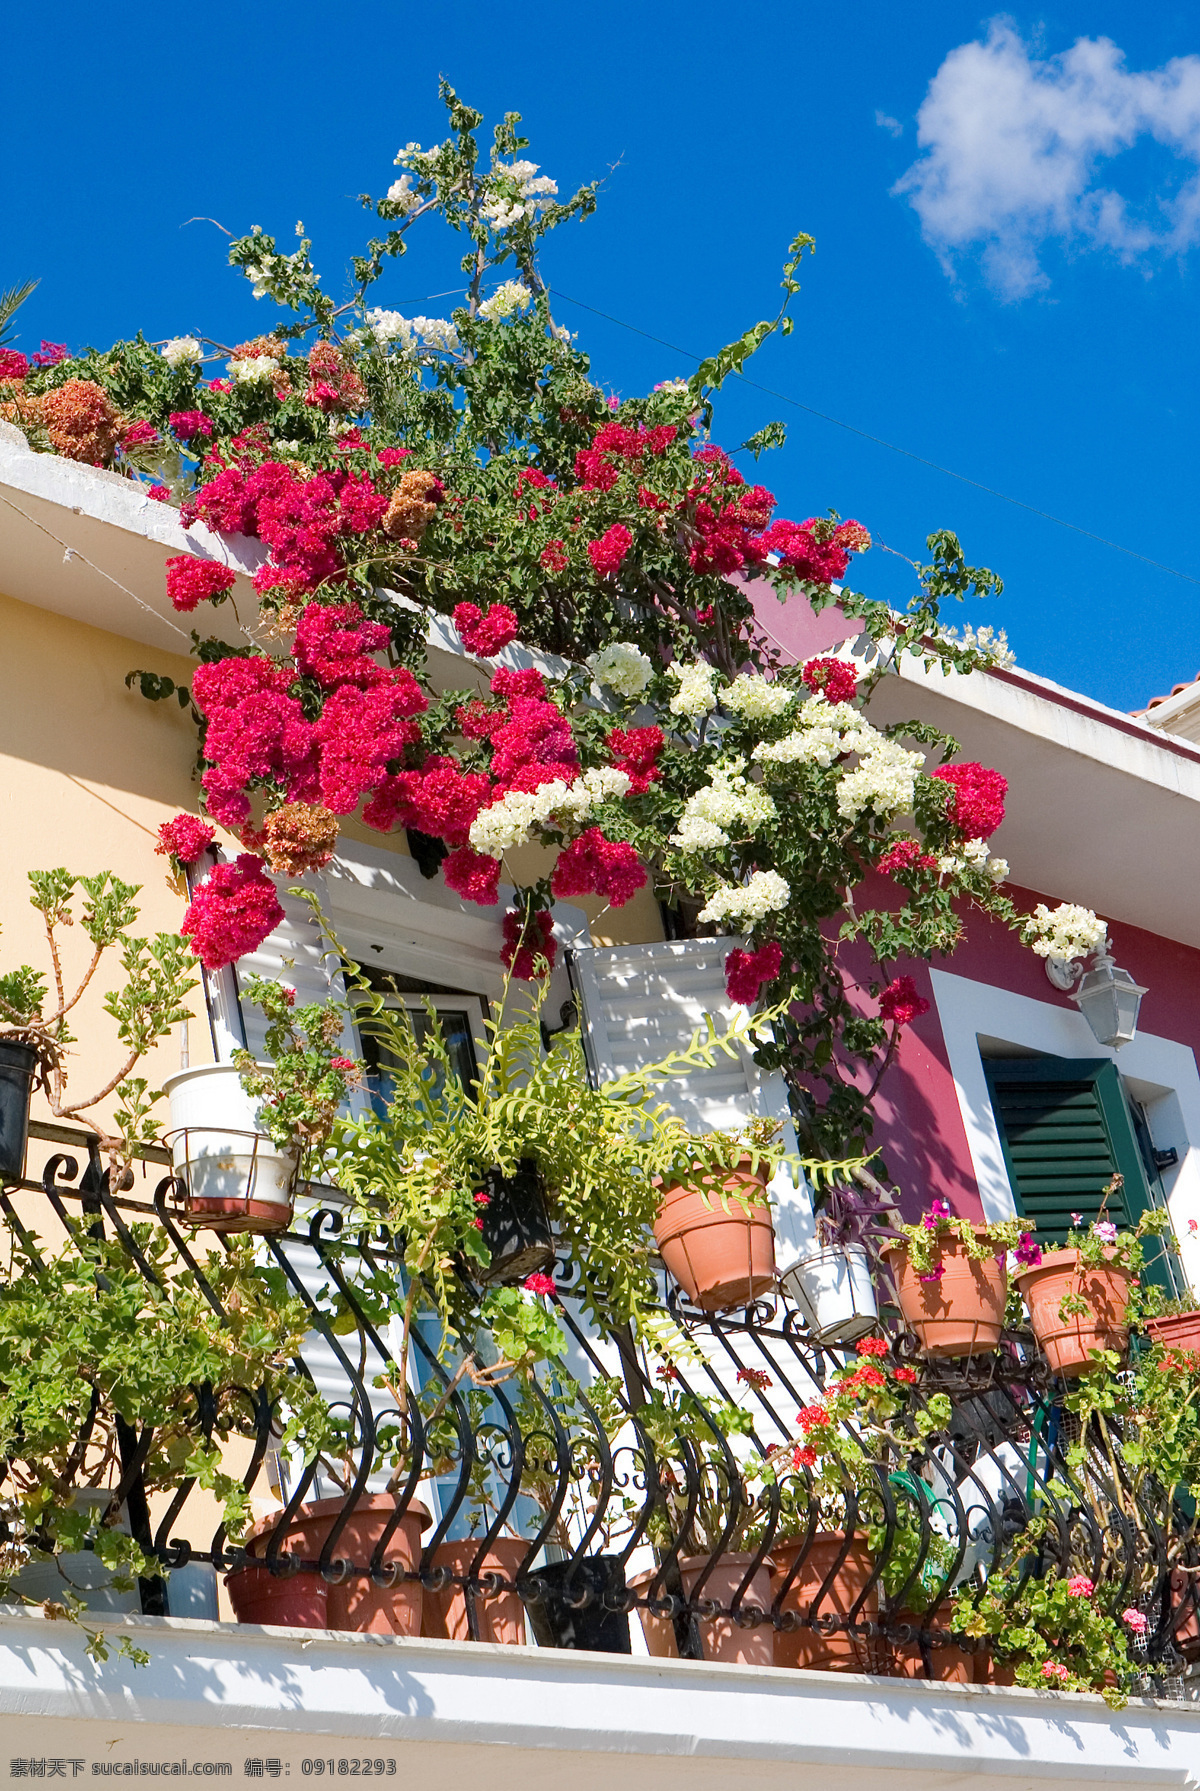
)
(64, 706)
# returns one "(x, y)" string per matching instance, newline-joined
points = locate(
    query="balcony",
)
(647, 1590)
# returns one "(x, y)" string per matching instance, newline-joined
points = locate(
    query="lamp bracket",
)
(1064, 973)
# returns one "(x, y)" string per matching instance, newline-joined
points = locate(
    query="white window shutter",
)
(639, 1002)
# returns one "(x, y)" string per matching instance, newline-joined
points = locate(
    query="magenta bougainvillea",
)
(530, 947)
(836, 679)
(901, 1003)
(746, 972)
(185, 838)
(232, 912)
(486, 633)
(975, 805)
(192, 581)
(593, 865)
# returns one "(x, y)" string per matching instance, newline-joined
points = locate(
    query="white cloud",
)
(1013, 146)
(893, 126)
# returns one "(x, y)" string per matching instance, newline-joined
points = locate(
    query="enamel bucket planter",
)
(232, 1176)
(834, 1290)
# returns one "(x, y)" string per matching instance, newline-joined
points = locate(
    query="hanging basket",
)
(1067, 1343)
(961, 1313)
(230, 1176)
(516, 1226)
(18, 1067)
(717, 1238)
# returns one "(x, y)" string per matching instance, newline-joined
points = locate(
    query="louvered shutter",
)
(639, 1002)
(1066, 1129)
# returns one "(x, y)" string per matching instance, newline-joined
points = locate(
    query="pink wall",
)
(919, 1125)
(918, 1122)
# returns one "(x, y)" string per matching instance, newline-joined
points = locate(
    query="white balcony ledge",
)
(526, 1719)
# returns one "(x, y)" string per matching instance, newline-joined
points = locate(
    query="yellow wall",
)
(88, 772)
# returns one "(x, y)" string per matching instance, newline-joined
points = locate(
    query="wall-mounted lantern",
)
(1106, 996)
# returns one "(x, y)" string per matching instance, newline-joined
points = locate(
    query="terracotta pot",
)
(717, 1238)
(1180, 1331)
(947, 1661)
(298, 1601)
(837, 1651)
(1187, 1622)
(986, 1671)
(500, 1617)
(1066, 1343)
(720, 1637)
(962, 1314)
(358, 1603)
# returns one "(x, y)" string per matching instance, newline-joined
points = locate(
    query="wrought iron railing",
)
(627, 1484)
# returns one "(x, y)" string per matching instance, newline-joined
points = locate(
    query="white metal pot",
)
(834, 1290)
(234, 1178)
(80, 1572)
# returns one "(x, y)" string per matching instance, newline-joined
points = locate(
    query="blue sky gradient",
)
(717, 135)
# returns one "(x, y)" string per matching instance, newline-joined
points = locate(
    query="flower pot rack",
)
(824, 1605)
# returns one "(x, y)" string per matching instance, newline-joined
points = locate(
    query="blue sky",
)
(1024, 313)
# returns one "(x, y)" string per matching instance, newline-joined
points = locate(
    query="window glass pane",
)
(455, 1025)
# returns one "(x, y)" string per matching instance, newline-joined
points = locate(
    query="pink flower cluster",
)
(51, 354)
(439, 799)
(904, 855)
(185, 838)
(332, 382)
(635, 752)
(726, 514)
(534, 744)
(188, 424)
(232, 912)
(609, 551)
(13, 364)
(486, 633)
(257, 730)
(599, 467)
(594, 865)
(139, 435)
(475, 876)
(975, 805)
(530, 947)
(837, 679)
(747, 971)
(191, 581)
(303, 519)
(900, 1004)
(806, 550)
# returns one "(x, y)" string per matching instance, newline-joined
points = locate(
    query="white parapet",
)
(230, 1701)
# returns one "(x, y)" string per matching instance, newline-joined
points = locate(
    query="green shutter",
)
(1066, 1129)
